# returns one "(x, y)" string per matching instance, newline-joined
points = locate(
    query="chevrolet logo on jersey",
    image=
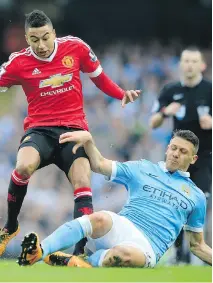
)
(55, 81)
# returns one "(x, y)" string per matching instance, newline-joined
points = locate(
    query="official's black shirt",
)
(193, 100)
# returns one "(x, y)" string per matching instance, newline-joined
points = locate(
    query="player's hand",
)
(79, 137)
(172, 109)
(206, 122)
(130, 96)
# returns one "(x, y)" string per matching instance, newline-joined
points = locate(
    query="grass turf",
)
(11, 272)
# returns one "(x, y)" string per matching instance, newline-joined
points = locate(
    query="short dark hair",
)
(194, 48)
(189, 136)
(36, 19)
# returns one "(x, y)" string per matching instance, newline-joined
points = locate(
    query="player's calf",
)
(28, 160)
(124, 256)
(79, 176)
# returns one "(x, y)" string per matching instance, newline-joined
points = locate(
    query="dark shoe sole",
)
(58, 260)
(29, 244)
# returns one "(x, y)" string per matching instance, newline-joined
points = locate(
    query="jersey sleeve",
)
(8, 74)
(196, 219)
(89, 62)
(122, 172)
(163, 100)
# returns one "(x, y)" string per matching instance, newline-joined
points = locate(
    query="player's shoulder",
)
(136, 164)
(172, 85)
(22, 53)
(143, 163)
(72, 40)
(197, 191)
(206, 83)
(16, 56)
(169, 88)
(150, 168)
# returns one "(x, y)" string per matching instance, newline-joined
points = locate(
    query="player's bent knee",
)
(121, 256)
(25, 169)
(28, 160)
(101, 223)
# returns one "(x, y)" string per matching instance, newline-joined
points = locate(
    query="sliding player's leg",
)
(95, 225)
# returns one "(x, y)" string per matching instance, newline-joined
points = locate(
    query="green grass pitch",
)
(11, 272)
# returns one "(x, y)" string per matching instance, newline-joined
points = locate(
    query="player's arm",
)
(205, 113)
(194, 230)
(98, 163)
(91, 65)
(206, 122)
(198, 246)
(162, 108)
(117, 172)
(156, 120)
(8, 74)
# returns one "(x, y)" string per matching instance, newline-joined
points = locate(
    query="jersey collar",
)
(162, 165)
(200, 79)
(49, 59)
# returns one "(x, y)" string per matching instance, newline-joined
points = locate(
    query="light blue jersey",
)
(160, 203)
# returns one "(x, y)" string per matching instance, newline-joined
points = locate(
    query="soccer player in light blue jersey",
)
(161, 200)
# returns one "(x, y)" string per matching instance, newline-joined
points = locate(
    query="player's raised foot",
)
(31, 250)
(6, 237)
(62, 259)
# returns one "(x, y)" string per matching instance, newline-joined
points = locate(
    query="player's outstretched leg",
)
(31, 250)
(62, 238)
(67, 235)
(63, 259)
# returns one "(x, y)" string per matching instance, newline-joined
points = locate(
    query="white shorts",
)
(123, 232)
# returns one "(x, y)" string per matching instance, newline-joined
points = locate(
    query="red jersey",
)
(52, 85)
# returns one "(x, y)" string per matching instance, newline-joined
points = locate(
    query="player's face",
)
(41, 40)
(191, 64)
(180, 154)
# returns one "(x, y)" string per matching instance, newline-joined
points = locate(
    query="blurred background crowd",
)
(139, 52)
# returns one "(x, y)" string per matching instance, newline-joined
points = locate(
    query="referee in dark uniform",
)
(189, 102)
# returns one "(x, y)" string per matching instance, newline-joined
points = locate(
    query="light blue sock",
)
(97, 258)
(63, 238)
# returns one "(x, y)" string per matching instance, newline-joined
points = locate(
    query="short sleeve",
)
(89, 62)
(123, 172)
(8, 74)
(162, 101)
(196, 219)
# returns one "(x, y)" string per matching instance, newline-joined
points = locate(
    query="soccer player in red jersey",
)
(48, 70)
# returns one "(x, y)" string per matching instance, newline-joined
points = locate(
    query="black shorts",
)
(46, 141)
(201, 172)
